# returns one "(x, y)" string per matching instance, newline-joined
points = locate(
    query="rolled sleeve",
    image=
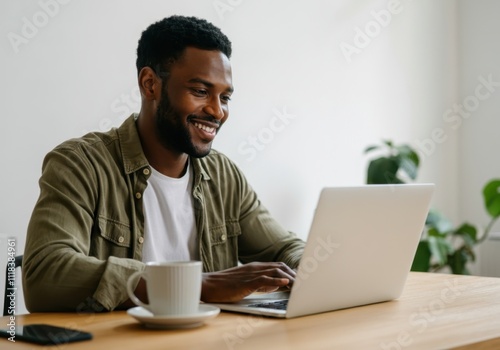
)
(110, 291)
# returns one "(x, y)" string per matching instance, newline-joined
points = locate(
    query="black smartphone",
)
(44, 334)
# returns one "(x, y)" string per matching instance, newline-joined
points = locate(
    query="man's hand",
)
(236, 283)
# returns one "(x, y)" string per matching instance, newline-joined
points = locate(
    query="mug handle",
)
(130, 290)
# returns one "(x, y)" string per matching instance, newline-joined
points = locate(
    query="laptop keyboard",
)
(277, 305)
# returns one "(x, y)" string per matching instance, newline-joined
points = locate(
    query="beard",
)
(173, 130)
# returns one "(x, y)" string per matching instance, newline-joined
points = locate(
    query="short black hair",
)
(164, 42)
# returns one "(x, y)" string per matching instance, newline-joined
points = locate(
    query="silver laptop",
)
(359, 251)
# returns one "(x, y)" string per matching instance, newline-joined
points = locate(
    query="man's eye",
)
(226, 98)
(200, 92)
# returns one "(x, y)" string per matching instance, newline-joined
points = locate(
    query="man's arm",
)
(58, 273)
(268, 251)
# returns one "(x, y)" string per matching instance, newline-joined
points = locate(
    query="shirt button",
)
(223, 237)
(146, 171)
(141, 240)
(121, 239)
(138, 195)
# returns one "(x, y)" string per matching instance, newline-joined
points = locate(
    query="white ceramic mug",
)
(173, 288)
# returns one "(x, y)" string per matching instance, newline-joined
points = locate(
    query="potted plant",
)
(442, 245)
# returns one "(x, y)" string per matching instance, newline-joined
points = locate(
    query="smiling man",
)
(154, 190)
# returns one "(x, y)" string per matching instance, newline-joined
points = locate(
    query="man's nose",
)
(214, 108)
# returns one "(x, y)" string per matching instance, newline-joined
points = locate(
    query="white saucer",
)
(144, 316)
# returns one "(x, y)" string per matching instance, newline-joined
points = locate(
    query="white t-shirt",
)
(169, 223)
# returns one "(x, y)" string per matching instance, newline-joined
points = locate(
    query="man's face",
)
(194, 101)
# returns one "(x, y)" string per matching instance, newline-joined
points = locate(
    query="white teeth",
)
(204, 127)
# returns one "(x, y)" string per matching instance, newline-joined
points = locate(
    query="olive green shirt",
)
(86, 232)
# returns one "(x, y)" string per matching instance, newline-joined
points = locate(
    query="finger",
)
(282, 273)
(274, 269)
(286, 269)
(267, 289)
(268, 282)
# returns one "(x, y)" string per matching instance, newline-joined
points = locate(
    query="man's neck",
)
(169, 166)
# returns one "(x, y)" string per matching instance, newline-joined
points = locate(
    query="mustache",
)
(207, 118)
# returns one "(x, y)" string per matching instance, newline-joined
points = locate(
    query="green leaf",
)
(422, 259)
(433, 232)
(371, 148)
(432, 217)
(383, 171)
(388, 143)
(438, 221)
(458, 261)
(409, 153)
(470, 252)
(409, 167)
(440, 249)
(491, 195)
(408, 160)
(414, 157)
(468, 232)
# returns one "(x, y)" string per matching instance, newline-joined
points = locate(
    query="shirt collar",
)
(133, 155)
(130, 144)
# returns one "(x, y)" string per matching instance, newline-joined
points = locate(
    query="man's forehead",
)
(205, 64)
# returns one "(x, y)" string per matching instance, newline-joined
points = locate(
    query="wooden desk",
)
(436, 311)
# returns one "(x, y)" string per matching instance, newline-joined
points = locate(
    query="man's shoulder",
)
(97, 139)
(89, 140)
(91, 148)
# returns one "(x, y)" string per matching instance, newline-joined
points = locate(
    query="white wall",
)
(479, 54)
(77, 73)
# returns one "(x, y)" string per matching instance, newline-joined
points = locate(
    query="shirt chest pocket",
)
(112, 238)
(224, 244)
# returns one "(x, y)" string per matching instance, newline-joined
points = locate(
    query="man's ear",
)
(149, 84)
